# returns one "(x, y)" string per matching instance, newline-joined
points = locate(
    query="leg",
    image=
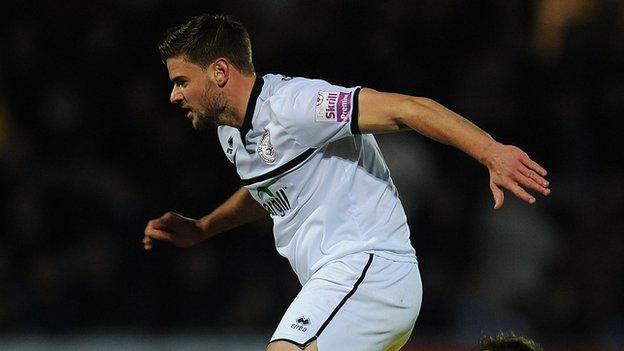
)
(287, 346)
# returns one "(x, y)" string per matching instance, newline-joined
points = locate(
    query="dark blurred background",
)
(90, 149)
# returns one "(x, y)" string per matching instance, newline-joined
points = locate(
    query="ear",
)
(222, 71)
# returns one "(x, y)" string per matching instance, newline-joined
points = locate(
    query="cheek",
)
(207, 98)
(191, 95)
(195, 98)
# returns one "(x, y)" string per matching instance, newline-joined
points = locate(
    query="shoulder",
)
(288, 95)
(285, 86)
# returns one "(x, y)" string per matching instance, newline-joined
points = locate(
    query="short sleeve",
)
(315, 112)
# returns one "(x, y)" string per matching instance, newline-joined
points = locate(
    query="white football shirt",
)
(327, 188)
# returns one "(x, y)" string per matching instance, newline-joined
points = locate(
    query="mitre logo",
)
(333, 106)
(265, 149)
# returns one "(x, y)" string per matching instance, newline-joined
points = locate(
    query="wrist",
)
(485, 152)
(203, 225)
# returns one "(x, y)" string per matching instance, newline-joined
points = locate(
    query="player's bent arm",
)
(239, 209)
(509, 166)
(182, 231)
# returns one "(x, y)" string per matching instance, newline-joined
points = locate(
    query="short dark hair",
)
(207, 37)
(507, 342)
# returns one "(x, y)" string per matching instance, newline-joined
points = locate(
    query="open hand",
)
(512, 169)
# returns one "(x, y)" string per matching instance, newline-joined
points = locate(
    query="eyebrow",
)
(177, 79)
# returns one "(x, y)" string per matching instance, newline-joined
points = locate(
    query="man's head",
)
(507, 342)
(202, 56)
(207, 37)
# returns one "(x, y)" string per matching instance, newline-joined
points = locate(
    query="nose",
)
(176, 95)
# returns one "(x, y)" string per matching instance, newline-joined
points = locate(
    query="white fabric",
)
(286, 109)
(378, 314)
(341, 199)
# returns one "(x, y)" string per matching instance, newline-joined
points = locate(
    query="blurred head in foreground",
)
(507, 342)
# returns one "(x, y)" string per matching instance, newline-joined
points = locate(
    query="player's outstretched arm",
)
(182, 231)
(509, 167)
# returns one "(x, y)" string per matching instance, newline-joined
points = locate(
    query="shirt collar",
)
(251, 105)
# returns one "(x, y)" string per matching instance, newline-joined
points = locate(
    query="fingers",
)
(531, 174)
(165, 221)
(158, 234)
(155, 230)
(158, 223)
(515, 186)
(515, 171)
(148, 243)
(158, 229)
(154, 234)
(499, 196)
(534, 181)
(519, 192)
(534, 166)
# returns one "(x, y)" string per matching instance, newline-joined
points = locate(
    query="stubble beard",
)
(217, 112)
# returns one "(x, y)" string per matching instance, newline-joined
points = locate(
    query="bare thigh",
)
(287, 346)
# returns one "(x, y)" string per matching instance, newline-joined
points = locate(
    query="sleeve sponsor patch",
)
(333, 106)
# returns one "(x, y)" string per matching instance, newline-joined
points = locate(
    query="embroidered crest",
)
(265, 149)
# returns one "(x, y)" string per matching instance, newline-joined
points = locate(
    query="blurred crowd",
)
(90, 149)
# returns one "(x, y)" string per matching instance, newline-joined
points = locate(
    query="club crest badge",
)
(265, 149)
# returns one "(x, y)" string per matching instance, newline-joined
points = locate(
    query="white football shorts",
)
(359, 302)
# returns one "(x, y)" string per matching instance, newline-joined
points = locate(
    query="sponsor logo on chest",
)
(277, 203)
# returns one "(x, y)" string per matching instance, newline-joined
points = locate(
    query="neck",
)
(240, 92)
